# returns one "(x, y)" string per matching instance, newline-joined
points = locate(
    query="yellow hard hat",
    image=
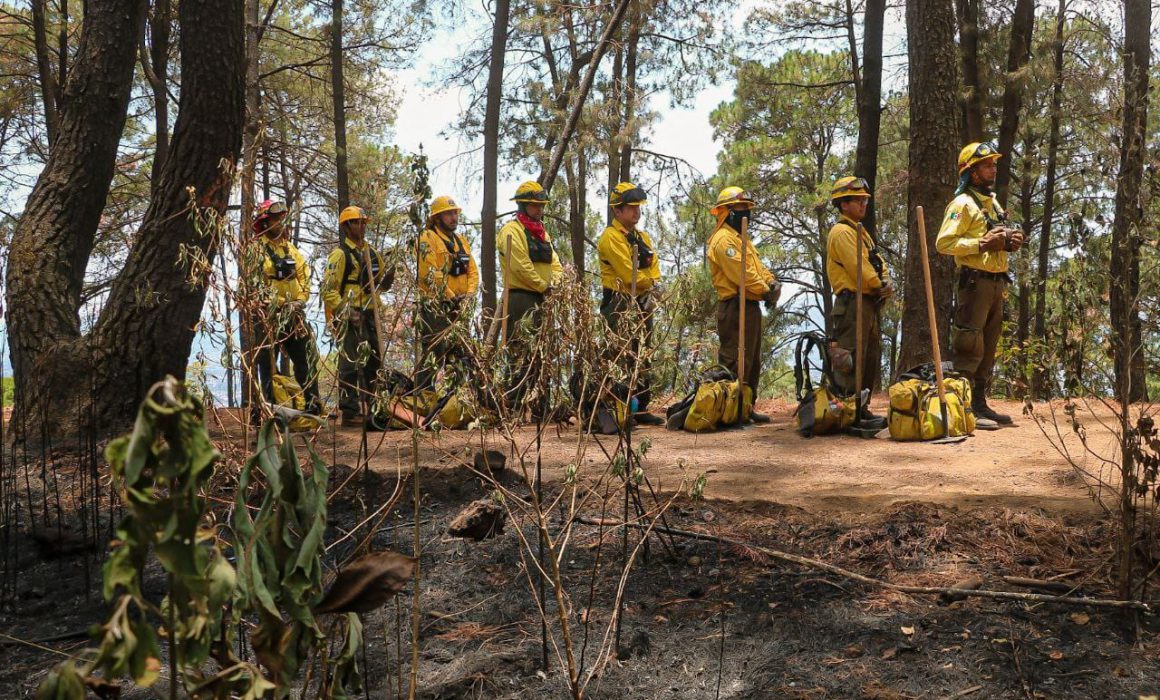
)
(628, 194)
(351, 214)
(728, 197)
(531, 192)
(850, 187)
(443, 203)
(976, 152)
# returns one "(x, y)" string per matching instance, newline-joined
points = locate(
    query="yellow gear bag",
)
(916, 411)
(820, 410)
(712, 405)
(288, 393)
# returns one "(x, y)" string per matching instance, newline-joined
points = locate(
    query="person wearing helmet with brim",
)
(347, 297)
(756, 283)
(285, 279)
(851, 197)
(448, 280)
(529, 276)
(618, 244)
(975, 231)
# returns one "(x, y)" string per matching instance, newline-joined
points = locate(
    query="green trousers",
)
(728, 312)
(613, 307)
(844, 325)
(978, 323)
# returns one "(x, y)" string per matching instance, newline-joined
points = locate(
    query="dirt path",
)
(1014, 467)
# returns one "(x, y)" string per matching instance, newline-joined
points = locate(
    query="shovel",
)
(946, 439)
(861, 427)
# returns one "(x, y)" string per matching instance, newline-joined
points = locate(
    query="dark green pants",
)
(844, 323)
(296, 340)
(978, 324)
(358, 368)
(523, 368)
(613, 307)
(728, 312)
(439, 345)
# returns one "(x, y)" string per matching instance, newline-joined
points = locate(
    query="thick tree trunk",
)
(971, 126)
(338, 91)
(49, 86)
(1039, 381)
(1015, 80)
(930, 29)
(147, 326)
(487, 261)
(1125, 266)
(1125, 253)
(250, 132)
(870, 101)
(51, 246)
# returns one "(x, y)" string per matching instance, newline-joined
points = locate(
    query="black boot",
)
(866, 419)
(980, 407)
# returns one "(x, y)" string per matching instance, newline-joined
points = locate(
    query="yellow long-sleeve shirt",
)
(520, 272)
(842, 259)
(615, 253)
(435, 278)
(724, 257)
(296, 287)
(964, 223)
(346, 287)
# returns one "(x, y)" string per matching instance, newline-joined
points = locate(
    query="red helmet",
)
(266, 210)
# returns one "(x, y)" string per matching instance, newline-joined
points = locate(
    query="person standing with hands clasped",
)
(975, 231)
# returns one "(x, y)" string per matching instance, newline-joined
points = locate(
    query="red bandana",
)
(536, 228)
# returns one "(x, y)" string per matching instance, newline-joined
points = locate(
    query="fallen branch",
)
(853, 575)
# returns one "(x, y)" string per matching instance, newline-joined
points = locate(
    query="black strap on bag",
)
(806, 394)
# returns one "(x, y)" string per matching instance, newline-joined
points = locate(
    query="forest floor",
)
(706, 620)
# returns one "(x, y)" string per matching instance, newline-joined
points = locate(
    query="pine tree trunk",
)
(49, 86)
(158, 73)
(1039, 380)
(338, 92)
(1018, 54)
(147, 326)
(487, 261)
(870, 102)
(971, 126)
(51, 245)
(1125, 266)
(933, 149)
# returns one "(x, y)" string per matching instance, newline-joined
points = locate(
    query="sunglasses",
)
(633, 196)
(857, 183)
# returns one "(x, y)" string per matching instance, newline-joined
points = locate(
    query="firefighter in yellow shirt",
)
(348, 299)
(626, 285)
(285, 278)
(851, 197)
(529, 275)
(448, 280)
(724, 255)
(975, 231)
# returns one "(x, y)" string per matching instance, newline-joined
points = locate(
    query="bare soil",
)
(706, 620)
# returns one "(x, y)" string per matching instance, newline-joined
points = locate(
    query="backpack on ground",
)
(916, 412)
(821, 409)
(712, 404)
(290, 405)
(604, 409)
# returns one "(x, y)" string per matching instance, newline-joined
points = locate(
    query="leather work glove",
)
(1014, 239)
(886, 290)
(993, 240)
(770, 297)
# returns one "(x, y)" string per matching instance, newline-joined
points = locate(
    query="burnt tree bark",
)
(1125, 254)
(1014, 83)
(971, 126)
(868, 89)
(51, 245)
(1040, 385)
(147, 326)
(487, 261)
(930, 29)
(338, 92)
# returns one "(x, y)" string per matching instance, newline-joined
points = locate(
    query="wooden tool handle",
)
(930, 312)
